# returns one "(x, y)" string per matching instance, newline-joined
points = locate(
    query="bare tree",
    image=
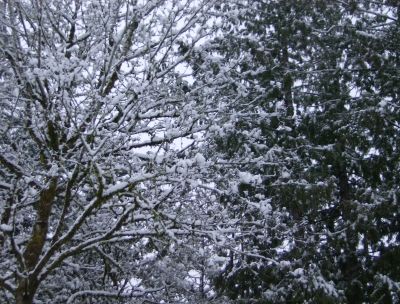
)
(99, 146)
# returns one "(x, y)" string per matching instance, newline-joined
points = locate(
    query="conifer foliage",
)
(321, 136)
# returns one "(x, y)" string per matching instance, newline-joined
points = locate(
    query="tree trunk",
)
(27, 286)
(26, 291)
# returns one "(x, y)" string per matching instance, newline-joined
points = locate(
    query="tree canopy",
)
(175, 151)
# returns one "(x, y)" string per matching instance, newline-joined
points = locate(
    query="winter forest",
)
(204, 151)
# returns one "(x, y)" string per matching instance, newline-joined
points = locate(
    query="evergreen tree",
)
(320, 82)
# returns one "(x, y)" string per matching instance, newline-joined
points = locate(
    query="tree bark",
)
(26, 291)
(27, 286)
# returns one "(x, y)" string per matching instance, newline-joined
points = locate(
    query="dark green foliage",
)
(328, 125)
